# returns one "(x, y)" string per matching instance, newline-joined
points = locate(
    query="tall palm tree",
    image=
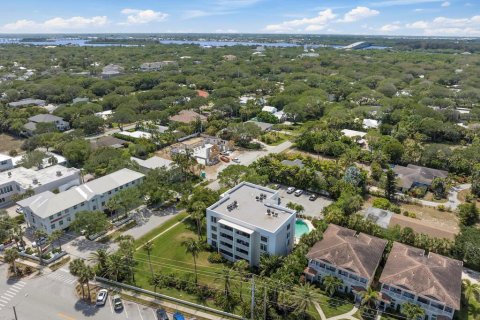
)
(114, 266)
(19, 233)
(332, 284)
(11, 255)
(56, 236)
(76, 267)
(39, 234)
(304, 295)
(193, 247)
(85, 276)
(241, 266)
(100, 259)
(470, 290)
(148, 247)
(197, 214)
(369, 298)
(412, 311)
(269, 264)
(227, 298)
(156, 281)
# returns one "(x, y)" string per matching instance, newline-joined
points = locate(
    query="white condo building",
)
(249, 221)
(19, 180)
(49, 211)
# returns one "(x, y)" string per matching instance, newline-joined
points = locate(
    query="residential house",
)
(432, 281)
(49, 211)
(105, 115)
(18, 180)
(31, 126)
(417, 176)
(112, 70)
(187, 116)
(108, 141)
(80, 100)
(357, 136)
(229, 57)
(348, 255)
(264, 126)
(27, 102)
(155, 66)
(249, 221)
(370, 124)
(295, 163)
(205, 149)
(152, 163)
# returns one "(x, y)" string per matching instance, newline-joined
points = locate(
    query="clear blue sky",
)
(390, 17)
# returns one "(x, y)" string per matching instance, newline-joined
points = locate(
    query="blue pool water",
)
(301, 228)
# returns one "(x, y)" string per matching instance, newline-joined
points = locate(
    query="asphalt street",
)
(52, 297)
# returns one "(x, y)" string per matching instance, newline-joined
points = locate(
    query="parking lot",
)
(312, 208)
(133, 310)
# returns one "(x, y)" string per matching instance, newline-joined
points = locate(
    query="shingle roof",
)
(187, 116)
(107, 141)
(344, 248)
(416, 174)
(432, 276)
(44, 117)
(294, 163)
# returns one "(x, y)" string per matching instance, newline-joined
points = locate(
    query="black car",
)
(162, 314)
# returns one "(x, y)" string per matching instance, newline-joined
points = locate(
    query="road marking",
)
(1, 300)
(9, 295)
(110, 303)
(126, 313)
(24, 283)
(19, 286)
(139, 312)
(64, 316)
(14, 290)
(2, 305)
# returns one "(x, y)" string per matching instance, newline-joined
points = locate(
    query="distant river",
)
(84, 42)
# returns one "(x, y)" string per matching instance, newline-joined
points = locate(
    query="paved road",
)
(51, 297)
(110, 132)
(247, 158)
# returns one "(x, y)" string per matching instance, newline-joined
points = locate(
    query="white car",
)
(236, 160)
(40, 242)
(298, 193)
(290, 190)
(102, 297)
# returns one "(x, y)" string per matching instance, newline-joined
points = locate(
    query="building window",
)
(408, 295)
(116, 189)
(82, 204)
(2, 200)
(214, 244)
(60, 222)
(363, 280)
(226, 236)
(352, 276)
(343, 273)
(226, 227)
(437, 305)
(245, 243)
(51, 217)
(213, 219)
(109, 192)
(422, 300)
(245, 252)
(94, 208)
(264, 239)
(263, 247)
(103, 203)
(52, 226)
(288, 227)
(74, 207)
(214, 228)
(223, 243)
(226, 252)
(67, 210)
(69, 219)
(330, 268)
(214, 236)
(448, 309)
(243, 234)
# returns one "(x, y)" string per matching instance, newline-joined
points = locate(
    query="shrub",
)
(441, 208)
(216, 257)
(28, 270)
(381, 203)
(395, 209)
(409, 214)
(29, 251)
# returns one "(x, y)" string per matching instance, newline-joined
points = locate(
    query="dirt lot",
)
(8, 142)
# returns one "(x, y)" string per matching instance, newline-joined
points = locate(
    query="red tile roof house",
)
(202, 93)
(432, 281)
(348, 255)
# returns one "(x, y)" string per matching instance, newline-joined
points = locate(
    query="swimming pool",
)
(301, 228)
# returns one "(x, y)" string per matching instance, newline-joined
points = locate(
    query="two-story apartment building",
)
(346, 254)
(249, 221)
(19, 180)
(6, 162)
(432, 281)
(49, 211)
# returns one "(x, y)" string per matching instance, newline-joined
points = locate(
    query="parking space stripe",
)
(1, 300)
(139, 312)
(9, 295)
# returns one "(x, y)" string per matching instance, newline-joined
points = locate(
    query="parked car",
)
(290, 190)
(178, 316)
(39, 242)
(236, 160)
(162, 314)
(102, 297)
(19, 210)
(298, 193)
(117, 302)
(313, 197)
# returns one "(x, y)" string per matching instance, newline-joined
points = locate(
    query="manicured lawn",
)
(335, 306)
(160, 229)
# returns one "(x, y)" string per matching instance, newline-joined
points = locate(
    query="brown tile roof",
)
(187, 116)
(344, 248)
(202, 93)
(418, 226)
(432, 276)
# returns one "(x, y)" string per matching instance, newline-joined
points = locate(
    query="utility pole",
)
(15, 313)
(252, 309)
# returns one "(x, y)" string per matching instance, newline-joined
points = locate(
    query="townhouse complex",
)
(50, 211)
(410, 275)
(249, 221)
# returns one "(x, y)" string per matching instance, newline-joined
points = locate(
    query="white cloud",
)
(56, 24)
(390, 27)
(137, 16)
(448, 26)
(445, 4)
(226, 31)
(191, 14)
(359, 13)
(391, 3)
(306, 24)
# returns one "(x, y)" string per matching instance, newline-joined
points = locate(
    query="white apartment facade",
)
(50, 212)
(6, 162)
(248, 221)
(19, 180)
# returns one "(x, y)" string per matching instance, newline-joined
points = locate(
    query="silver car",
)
(102, 297)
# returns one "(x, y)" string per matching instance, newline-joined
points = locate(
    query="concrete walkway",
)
(348, 315)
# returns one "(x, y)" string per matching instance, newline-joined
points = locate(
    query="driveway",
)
(312, 208)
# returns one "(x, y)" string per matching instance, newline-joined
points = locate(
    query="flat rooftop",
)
(251, 211)
(25, 177)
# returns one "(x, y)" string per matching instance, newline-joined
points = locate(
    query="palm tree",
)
(412, 311)
(228, 300)
(269, 264)
(100, 259)
(39, 234)
(76, 267)
(193, 247)
(148, 247)
(114, 266)
(19, 233)
(241, 266)
(156, 281)
(369, 298)
(197, 214)
(304, 295)
(56, 236)
(332, 284)
(86, 275)
(11, 255)
(470, 290)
